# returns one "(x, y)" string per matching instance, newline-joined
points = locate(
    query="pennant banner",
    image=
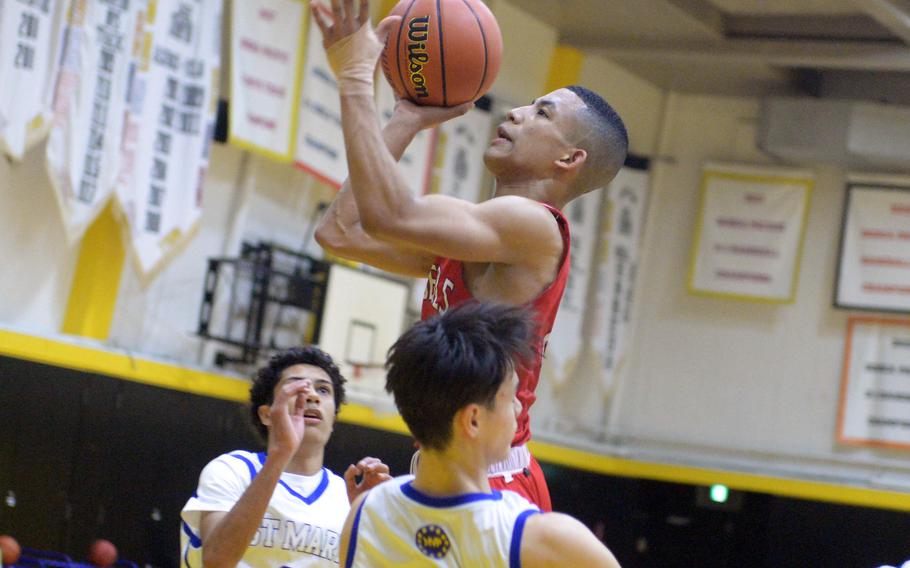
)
(31, 38)
(83, 152)
(169, 125)
(461, 145)
(267, 41)
(417, 161)
(320, 141)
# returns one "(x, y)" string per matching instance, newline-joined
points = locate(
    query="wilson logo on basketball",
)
(418, 31)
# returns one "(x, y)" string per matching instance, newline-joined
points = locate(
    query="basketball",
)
(10, 549)
(444, 53)
(102, 553)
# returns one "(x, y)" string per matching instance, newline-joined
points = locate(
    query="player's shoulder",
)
(551, 538)
(519, 204)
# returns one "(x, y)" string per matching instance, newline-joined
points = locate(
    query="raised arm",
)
(506, 230)
(340, 230)
(552, 540)
(226, 535)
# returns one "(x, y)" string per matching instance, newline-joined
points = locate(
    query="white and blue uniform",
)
(301, 527)
(397, 525)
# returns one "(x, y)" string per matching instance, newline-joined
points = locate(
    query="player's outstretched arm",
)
(226, 535)
(553, 540)
(340, 231)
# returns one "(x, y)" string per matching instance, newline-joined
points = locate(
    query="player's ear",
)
(265, 414)
(572, 160)
(467, 420)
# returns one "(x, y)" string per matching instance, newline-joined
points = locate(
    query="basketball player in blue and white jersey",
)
(454, 381)
(280, 507)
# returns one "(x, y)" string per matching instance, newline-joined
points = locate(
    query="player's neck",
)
(450, 473)
(307, 461)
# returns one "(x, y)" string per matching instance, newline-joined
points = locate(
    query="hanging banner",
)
(461, 144)
(169, 126)
(267, 43)
(320, 140)
(566, 338)
(875, 387)
(617, 268)
(749, 234)
(83, 152)
(416, 164)
(31, 39)
(874, 264)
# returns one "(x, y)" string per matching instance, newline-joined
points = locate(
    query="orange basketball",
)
(10, 549)
(102, 553)
(444, 53)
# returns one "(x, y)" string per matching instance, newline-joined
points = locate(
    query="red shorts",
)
(529, 483)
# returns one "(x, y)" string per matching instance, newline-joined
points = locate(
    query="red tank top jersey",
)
(446, 288)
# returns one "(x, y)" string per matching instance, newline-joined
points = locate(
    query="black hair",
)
(263, 389)
(447, 362)
(606, 141)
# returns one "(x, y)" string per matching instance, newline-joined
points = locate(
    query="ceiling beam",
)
(810, 54)
(892, 14)
(705, 13)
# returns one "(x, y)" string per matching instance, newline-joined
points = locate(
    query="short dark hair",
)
(263, 389)
(462, 357)
(606, 141)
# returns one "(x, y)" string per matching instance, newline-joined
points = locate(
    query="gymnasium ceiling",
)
(853, 49)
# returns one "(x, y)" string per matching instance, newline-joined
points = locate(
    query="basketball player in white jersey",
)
(454, 381)
(280, 507)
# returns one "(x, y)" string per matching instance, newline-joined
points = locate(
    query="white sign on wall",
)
(83, 152)
(749, 235)
(874, 266)
(31, 39)
(169, 126)
(875, 389)
(267, 42)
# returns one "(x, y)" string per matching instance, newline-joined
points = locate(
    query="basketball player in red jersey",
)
(513, 248)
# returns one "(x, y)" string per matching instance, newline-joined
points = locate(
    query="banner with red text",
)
(874, 267)
(875, 387)
(169, 126)
(83, 151)
(749, 232)
(267, 43)
(31, 40)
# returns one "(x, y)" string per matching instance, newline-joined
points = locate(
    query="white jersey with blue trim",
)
(301, 527)
(397, 525)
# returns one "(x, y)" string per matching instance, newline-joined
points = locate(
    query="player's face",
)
(319, 410)
(504, 419)
(533, 138)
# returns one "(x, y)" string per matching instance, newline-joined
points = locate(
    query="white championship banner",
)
(749, 234)
(875, 388)
(417, 161)
(170, 125)
(83, 152)
(617, 268)
(267, 42)
(31, 39)
(566, 339)
(461, 146)
(320, 141)
(874, 266)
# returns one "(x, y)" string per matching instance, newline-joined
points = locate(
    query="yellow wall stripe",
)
(93, 294)
(119, 365)
(565, 67)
